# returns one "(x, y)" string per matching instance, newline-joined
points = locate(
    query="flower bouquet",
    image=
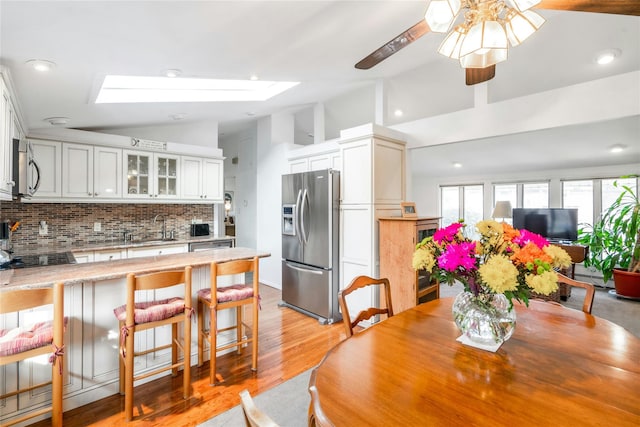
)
(503, 265)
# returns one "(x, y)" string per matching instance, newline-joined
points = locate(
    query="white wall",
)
(272, 150)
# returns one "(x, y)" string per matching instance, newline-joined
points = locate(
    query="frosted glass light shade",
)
(520, 25)
(440, 14)
(450, 46)
(486, 44)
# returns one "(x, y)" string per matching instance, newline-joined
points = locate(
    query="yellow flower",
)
(544, 283)
(489, 228)
(423, 259)
(561, 258)
(499, 274)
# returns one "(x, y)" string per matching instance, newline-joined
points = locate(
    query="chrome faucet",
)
(164, 224)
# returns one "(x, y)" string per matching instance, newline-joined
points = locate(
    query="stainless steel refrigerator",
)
(310, 241)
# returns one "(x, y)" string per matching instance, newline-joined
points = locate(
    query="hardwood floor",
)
(289, 344)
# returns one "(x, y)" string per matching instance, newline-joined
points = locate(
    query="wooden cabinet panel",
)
(398, 239)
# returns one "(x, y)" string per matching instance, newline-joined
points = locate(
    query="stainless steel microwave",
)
(26, 173)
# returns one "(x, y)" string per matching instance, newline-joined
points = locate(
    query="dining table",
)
(561, 367)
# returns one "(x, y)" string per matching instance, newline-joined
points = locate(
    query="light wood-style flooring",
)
(289, 344)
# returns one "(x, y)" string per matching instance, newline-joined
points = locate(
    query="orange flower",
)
(530, 253)
(508, 232)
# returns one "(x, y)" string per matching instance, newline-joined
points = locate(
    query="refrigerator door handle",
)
(305, 198)
(304, 270)
(297, 218)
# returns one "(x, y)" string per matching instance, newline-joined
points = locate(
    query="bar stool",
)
(236, 296)
(27, 341)
(139, 316)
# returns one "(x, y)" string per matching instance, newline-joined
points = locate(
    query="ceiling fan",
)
(482, 70)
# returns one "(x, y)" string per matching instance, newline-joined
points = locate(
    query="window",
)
(593, 196)
(535, 195)
(579, 194)
(466, 200)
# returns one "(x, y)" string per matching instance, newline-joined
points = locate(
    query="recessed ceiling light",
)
(398, 113)
(457, 165)
(250, 113)
(41, 65)
(253, 78)
(618, 148)
(130, 89)
(607, 56)
(57, 121)
(172, 73)
(178, 116)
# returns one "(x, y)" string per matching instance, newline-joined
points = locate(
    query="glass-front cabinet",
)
(152, 175)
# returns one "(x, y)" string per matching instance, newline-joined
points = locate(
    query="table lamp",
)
(502, 210)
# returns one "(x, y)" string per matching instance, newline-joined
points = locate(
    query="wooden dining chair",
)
(253, 416)
(358, 283)
(26, 341)
(588, 287)
(139, 316)
(235, 296)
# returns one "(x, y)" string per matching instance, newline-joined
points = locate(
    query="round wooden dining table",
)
(561, 367)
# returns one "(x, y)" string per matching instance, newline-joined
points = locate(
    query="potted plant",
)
(614, 242)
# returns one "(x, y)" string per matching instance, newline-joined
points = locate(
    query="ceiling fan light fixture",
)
(520, 25)
(486, 44)
(450, 46)
(440, 14)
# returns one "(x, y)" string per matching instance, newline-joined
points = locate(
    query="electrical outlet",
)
(43, 229)
(97, 226)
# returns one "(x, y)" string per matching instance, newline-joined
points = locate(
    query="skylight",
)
(129, 89)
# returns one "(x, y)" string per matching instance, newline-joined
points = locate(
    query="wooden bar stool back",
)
(358, 283)
(139, 316)
(234, 296)
(26, 341)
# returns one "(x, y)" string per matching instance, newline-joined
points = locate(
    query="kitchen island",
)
(92, 291)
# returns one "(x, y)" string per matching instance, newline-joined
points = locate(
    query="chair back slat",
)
(23, 299)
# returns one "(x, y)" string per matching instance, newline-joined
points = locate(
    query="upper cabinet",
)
(91, 172)
(151, 175)
(9, 129)
(202, 179)
(48, 156)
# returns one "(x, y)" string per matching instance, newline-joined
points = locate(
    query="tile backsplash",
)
(74, 223)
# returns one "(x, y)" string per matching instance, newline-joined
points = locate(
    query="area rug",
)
(286, 404)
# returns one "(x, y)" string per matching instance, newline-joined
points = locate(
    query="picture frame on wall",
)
(408, 210)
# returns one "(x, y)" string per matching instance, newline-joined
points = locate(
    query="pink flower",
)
(458, 255)
(448, 233)
(527, 236)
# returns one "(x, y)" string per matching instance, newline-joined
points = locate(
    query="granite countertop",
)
(115, 269)
(116, 244)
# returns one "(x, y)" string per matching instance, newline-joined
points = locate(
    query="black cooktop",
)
(26, 261)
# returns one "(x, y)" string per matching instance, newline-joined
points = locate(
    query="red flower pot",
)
(627, 283)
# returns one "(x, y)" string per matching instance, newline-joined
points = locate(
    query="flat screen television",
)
(555, 224)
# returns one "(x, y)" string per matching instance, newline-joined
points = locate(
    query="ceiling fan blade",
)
(620, 7)
(391, 47)
(479, 75)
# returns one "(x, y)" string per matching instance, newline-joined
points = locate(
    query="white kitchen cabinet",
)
(202, 179)
(6, 143)
(372, 185)
(315, 157)
(151, 175)
(48, 156)
(91, 172)
(157, 250)
(83, 257)
(109, 255)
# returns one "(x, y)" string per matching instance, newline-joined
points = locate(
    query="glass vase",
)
(484, 319)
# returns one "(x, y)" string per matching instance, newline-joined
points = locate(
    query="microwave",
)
(26, 173)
